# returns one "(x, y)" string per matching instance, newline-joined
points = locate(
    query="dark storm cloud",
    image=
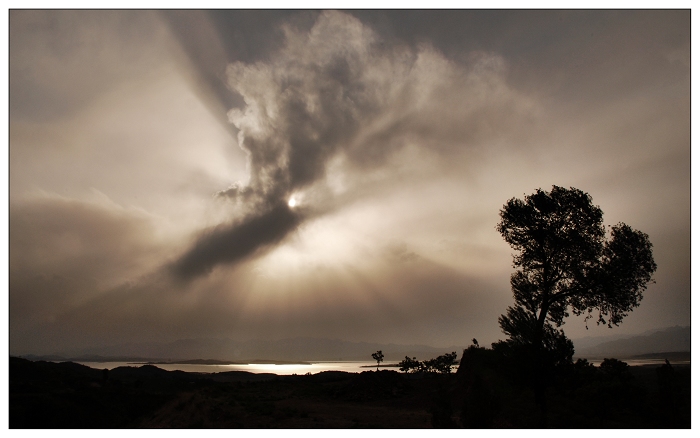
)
(233, 242)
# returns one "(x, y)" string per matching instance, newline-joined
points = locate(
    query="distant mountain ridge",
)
(671, 339)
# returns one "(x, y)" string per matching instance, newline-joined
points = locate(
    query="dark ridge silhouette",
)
(487, 391)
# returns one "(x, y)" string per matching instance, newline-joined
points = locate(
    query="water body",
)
(282, 369)
(312, 367)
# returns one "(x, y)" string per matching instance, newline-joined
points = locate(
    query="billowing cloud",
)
(337, 91)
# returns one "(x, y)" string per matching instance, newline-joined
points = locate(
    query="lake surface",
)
(313, 368)
(285, 369)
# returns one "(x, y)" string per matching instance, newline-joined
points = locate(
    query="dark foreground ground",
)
(69, 395)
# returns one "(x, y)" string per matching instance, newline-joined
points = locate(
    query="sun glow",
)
(292, 202)
(318, 245)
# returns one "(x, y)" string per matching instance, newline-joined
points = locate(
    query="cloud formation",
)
(233, 242)
(399, 134)
(337, 91)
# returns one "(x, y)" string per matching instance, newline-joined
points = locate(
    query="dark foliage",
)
(565, 263)
(441, 364)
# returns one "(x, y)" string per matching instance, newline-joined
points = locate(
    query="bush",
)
(441, 364)
(410, 365)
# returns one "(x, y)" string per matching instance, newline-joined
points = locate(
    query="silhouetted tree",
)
(379, 357)
(522, 328)
(565, 263)
(441, 364)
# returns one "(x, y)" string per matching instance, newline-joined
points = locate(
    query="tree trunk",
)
(539, 378)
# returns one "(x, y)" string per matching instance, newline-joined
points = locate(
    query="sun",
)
(292, 202)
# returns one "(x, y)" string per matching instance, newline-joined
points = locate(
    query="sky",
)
(336, 174)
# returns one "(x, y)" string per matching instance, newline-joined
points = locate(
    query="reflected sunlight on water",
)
(281, 369)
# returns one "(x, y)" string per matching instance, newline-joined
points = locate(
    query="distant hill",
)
(672, 339)
(296, 349)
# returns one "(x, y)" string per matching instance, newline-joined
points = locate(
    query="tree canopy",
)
(567, 262)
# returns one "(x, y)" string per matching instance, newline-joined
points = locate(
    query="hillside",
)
(672, 339)
(488, 391)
